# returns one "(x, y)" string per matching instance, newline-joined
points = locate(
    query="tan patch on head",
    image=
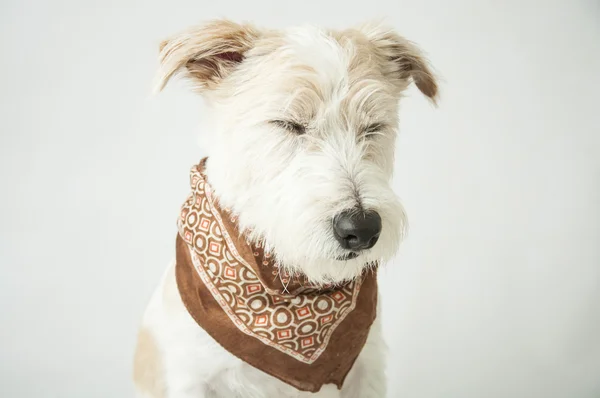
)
(355, 95)
(147, 368)
(396, 57)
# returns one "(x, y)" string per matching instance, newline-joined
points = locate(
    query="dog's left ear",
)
(403, 59)
(206, 54)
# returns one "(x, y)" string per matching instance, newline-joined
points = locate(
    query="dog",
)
(299, 166)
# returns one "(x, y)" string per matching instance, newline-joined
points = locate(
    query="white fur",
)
(286, 188)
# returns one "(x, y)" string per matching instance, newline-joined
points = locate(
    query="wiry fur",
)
(343, 88)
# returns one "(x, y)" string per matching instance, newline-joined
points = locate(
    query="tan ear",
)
(407, 60)
(207, 53)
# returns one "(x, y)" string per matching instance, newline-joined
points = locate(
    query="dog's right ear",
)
(205, 54)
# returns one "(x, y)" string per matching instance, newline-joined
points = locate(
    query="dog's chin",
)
(347, 256)
(338, 269)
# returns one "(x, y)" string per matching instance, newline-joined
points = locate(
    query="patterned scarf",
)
(300, 334)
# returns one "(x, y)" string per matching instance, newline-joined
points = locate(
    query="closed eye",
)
(290, 126)
(372, 130)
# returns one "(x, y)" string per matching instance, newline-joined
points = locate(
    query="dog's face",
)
(303, 150)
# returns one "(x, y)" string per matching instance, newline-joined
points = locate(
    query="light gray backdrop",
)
(496, 292)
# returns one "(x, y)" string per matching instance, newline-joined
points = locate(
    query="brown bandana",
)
(277, 323)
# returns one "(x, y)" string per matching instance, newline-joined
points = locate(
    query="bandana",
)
(303, 335)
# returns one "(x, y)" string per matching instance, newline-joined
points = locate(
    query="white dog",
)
(302, 158)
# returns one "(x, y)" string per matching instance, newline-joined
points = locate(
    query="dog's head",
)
(303, 149)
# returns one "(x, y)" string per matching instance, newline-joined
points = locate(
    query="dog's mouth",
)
(348, 256)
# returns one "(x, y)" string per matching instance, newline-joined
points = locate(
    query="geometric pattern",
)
(298, 324)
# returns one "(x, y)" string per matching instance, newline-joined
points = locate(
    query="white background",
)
(496, 292)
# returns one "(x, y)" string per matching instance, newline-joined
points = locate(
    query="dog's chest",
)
(219, 374)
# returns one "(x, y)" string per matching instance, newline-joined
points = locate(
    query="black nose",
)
(357, 230)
